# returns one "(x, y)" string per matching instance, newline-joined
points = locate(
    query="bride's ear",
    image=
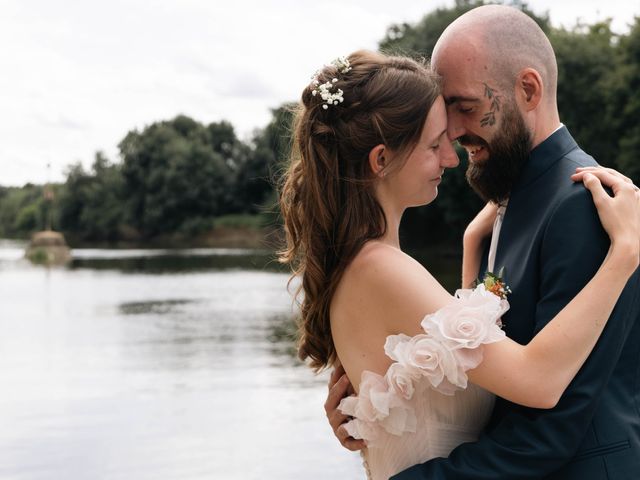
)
(378, 160)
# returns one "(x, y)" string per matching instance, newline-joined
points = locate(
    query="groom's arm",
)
(529, 443)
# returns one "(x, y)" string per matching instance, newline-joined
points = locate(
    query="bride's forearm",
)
(475, 234)
(537, 374)
(471, 255)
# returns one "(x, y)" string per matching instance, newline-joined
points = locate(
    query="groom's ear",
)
(378, 160)
(529, 88)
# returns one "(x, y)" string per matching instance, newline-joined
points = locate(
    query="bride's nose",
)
(448, 156)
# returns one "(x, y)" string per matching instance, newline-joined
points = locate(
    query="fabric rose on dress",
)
(423, 356)
(395, 346)
(401, 379)
(469, 321)
(376, 407)
(373, 401)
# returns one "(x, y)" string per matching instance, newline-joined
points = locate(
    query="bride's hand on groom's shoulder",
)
(619, 213)
(339, 388)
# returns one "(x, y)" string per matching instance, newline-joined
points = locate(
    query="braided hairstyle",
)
(327, 197)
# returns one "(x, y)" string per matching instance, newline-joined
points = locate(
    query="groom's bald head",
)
(504, 41)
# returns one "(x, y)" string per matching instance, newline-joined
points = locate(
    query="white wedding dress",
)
(423, 406)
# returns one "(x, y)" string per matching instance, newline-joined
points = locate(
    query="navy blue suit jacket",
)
(551, 244)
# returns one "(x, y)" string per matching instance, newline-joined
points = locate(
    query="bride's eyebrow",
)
(458, 99)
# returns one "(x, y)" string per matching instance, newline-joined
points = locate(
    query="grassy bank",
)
(229, 231)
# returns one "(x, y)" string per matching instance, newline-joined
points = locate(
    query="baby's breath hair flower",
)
(331, 98)
(325, 90)
(342, 64)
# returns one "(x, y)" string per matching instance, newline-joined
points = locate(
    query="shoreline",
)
(220, 237)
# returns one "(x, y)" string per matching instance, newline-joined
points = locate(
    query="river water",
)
(157, 364)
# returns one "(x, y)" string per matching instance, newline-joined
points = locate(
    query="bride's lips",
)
(438, 179)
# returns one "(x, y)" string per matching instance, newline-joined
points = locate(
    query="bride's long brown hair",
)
(327, 197)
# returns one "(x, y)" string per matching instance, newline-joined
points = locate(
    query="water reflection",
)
(282, 336)
(157, 307)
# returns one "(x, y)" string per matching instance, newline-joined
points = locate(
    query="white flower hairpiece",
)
(324, 90)
(342, 64)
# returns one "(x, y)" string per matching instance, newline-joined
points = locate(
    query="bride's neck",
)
(392, 233)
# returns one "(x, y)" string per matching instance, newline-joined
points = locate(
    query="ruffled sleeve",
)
(450, 346)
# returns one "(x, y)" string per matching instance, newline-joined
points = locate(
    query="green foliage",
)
(91, 202)
(176, 177)
(271, 148)
(626, 104)
(39, 256)
(240, 221)
(587, 60)
(176, 171)
(23, 210)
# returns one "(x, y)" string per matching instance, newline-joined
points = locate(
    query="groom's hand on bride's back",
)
(339, 388)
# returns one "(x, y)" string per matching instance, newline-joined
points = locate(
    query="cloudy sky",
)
(77, 75)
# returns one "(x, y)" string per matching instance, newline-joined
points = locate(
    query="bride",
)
(370, 140)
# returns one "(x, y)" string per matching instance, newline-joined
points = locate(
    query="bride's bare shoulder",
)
(383, 281)
(379, 262)
(377, 259)
(364, 277)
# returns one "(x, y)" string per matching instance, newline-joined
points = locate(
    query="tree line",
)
(176, 179)
(181, 178)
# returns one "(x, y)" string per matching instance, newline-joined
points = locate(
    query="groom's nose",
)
(455, 125)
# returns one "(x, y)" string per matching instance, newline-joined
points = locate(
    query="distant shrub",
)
(256, 222)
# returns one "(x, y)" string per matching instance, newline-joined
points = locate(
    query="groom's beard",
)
(508, 151)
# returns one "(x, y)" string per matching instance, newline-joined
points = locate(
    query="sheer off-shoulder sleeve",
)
(451, 345)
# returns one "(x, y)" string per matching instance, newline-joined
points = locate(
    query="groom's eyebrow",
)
(459, 98)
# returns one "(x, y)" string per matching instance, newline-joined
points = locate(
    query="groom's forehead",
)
(462, 85)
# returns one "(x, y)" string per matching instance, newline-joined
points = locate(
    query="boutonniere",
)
(495, 284)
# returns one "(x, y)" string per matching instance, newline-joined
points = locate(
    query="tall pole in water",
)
(48, 197)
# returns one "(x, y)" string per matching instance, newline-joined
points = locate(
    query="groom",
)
(500, 76)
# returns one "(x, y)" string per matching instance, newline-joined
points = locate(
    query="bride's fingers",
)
(336, 373)
(337, 392)
(606, 177)
(625, 199)
(348, 441)
(610, 171)
(606, 169)
(620, 214)
(592, 183)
